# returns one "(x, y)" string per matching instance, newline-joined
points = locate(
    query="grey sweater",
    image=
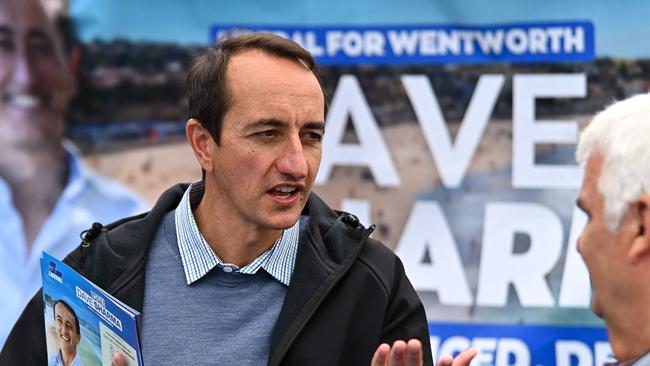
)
(222, 319)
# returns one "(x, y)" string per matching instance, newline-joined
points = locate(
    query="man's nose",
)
(292, 162)
(23, 72)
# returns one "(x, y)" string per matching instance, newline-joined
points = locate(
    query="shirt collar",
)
(199, 259)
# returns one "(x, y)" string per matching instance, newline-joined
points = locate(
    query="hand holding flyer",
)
(84, 325)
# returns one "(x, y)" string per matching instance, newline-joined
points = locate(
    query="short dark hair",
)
(207, 92)
(76, 318)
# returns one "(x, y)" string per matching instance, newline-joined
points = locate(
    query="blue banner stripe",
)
(544, 42)
(539, 345)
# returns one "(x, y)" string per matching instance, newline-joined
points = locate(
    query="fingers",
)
(414, 353)
(463, 359)
(381, 355)
(397, 355)
(445, 361)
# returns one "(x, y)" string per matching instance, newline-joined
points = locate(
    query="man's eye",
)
(267, 133)
(41, 47)
(6, 44)
(314, 136)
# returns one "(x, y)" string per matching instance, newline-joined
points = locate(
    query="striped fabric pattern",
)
(199, 259)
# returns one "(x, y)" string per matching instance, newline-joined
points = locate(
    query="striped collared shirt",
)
(198, 258)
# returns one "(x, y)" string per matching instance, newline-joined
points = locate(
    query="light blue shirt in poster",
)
(86, 198)
(57, 360)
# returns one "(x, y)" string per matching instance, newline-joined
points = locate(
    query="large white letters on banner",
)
(371, 150)
(452, 159)
(527, 132)
(500, 266)
(427, 230)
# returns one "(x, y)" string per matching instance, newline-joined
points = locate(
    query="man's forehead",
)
(27, 14)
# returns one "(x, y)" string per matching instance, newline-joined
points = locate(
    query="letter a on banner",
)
(428, 230)
(371, 150)
(501, 266)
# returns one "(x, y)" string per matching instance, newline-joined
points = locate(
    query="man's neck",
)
(36, 179)
(67, 358)
(629, 327)
(232, 241)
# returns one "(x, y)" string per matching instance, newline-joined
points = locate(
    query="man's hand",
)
(400, 354)
(410, 354)
(118, 360)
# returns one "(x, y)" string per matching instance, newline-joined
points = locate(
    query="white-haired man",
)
(615, 243)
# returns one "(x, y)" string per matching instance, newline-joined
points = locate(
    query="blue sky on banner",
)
(622, 33)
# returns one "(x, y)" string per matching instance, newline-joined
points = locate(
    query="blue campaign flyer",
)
(84, 325)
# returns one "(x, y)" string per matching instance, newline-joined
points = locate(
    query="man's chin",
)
(282, 221)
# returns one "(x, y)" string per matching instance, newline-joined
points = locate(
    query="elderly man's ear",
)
(640, 248)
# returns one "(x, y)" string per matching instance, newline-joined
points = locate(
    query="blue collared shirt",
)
(86, 198)
(57, 360)
(198, 257)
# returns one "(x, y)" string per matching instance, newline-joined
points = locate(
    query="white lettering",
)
(427, 231)
(508, 348)
(527, 132)
(517, 41)
(403, 42)
(574, 41)
(452, 159)
(565, 350)
(526, 271)
(374, 43)
(371, 151)
(537, 40)
(428, 43)
(490, 42)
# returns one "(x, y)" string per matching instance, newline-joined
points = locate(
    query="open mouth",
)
(67, 339)
(24, 101)
(284, 192)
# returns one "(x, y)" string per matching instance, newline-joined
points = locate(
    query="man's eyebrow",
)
(274, 122)
(266, 122)
(314, 126)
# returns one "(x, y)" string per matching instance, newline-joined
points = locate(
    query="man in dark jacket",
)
(216, 268)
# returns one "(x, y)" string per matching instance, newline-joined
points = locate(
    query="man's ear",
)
(640, 247)
(201, 142)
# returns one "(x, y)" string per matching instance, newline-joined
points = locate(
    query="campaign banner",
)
(451, 127)
(535, 42)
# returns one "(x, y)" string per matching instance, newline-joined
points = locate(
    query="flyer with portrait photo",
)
(84, 325)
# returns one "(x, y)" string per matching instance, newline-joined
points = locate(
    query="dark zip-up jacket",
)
(348, 293)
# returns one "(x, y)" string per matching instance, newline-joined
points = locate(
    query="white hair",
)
(621, 133)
